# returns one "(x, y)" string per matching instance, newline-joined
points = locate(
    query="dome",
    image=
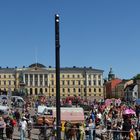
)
(37, 65)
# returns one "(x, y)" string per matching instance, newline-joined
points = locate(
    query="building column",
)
(38, 79)
(87, 80)
(43, 80)
(33, 80)
(24, 78)
(28, 79)
(91, 80)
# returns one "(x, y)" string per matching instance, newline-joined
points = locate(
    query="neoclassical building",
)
(36, 79)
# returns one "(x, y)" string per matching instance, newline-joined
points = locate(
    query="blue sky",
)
(97, 33)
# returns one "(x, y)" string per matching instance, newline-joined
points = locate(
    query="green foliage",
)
(136, 77)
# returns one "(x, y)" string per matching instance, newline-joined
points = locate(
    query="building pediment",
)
(35, 70)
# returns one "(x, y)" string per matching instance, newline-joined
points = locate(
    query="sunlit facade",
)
(74, 81)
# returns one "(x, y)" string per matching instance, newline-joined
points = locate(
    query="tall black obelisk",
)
(57, 61)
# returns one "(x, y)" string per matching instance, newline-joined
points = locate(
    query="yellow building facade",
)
(74, 81)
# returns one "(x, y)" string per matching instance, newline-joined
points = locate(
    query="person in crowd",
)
(131, 134)
(10, 123)
(126, 128)
(2, 127)
(87, 130)
(109, 125)
(17, 115)
(44, 128)
(54, 130)
(73, 132)
(80, 131)
(117, 131)
(92, 115)
(90, 130)
(23, 128)
(29, 127)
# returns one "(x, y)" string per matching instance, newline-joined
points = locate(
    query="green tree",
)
(136, 77)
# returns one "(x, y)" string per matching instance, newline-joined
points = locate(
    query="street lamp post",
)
(57, 56)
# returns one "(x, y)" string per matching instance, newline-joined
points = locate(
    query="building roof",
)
(41, 67)
(37, 65)
(7, 70)
(81, 69)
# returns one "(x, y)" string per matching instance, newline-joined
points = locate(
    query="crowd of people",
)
(105, 121)
(109, 121)
(13, 119)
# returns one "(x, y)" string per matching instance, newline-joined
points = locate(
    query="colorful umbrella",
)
(129, 111)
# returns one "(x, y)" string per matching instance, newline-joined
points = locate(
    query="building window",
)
(36, 83)
(79, 90)
(41, 90)
(26, 82)
(89, 94)
(0, 82)
(45, 76)
(68, 90)
(31, 83)
(84, 90)
(63, 90)
(74, 90)
(94, 82)
(89, 76)
(63, 95)
(9, 82)
(68, 76)
(46, 83)
(52, 76)
(73, 82)
(41, 76)
(52, 90)
(99, 76)
(73, 76)
(94, 76)
(4, 76)
(94, 94)
(36, 92)
(94, 89)
(41, 83)
(84, 82)
(4, 82)
(36, 76)
(63, 76)
(9, 76)
(63, 82)
(89, 89)
(45, 89)
(68, 82)
(31, 77)
(99, 90)
(99, 82)
(99, 94)
(79, 82)
(78, 76)
(89, 82)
